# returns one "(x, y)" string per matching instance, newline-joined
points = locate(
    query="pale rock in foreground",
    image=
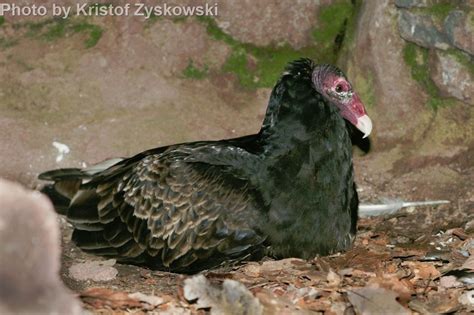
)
(30, 255)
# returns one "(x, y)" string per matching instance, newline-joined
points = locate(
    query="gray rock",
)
(268, 22)
(380, 66)
(460, 30)
(421, 30)
(94, 270)
(452, 78)
(408, 4)
(60, 94)
(30, 255)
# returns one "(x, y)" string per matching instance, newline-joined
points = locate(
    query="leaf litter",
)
(383, 273)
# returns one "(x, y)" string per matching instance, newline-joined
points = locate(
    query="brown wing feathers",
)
(164, 210)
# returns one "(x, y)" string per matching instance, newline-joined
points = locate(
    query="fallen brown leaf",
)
(333, 279)
(149, 302)
(459, 232)
(274, 305)
(449, 282)
(403, 288)
(437, 303)
(469, 264)
(423, 270)
(372, 300)
(101, 298)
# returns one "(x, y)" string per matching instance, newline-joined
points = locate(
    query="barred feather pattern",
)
(174, 209)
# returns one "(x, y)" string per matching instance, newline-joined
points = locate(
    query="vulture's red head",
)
(334, 86)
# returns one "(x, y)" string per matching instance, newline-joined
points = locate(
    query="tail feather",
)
(89, 240)
(66, 184)
(83, 207)
(68, 181)
(89, 226)
(60, 202)
(62, 173)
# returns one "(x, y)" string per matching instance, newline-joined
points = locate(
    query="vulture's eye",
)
(339, 88)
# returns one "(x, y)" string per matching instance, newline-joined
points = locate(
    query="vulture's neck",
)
(298, 135)
(307, 152)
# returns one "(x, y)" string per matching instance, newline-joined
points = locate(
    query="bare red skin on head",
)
(339, 82)
(349, 103)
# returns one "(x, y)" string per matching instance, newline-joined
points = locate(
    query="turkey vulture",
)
(287, 191)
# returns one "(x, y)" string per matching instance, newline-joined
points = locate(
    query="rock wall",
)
(413, 64)
(447, 31)
(112, 86)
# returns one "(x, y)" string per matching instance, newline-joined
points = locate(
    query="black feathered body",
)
(287, 191)
(309, 173)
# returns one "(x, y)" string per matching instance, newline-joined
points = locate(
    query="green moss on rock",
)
(54, 29)
(365, 88)
(257, 66)
(417, 59)
(193, 72)
(7, 42)
(463, 59)
(215, 32)
(34, 29)
(254, 66)
(2, 20)
(440, 10)
(95, 32)
(332, 20)
(237, 63)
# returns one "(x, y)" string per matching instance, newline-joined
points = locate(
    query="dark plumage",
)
(287, 191)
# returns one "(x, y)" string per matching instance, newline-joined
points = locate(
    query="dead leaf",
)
(295, 265)
(449, 282)
(338, 308)
(404, 289)
(232, 298)
(464, 273)
(279, 305)
(251, 269)
(468, 245)
(149, 301)
(297, 295)
(372, 300)
(438, 302)
(459, 232)
(333, 279)
(363, 274)
(469, 264)
(347, 272)
(423, 270)
(101, 298)
(467, 299)
(362, 259)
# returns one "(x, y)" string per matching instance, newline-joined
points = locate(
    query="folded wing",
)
(170, 209)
